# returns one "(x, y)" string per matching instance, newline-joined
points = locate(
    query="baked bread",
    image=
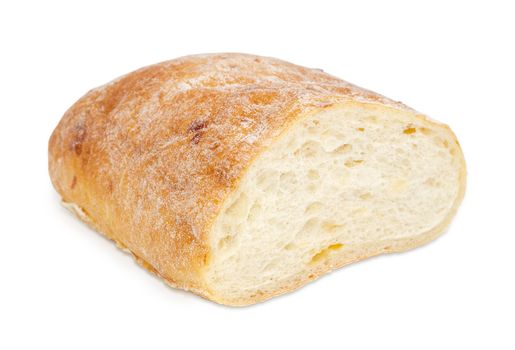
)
(241, 177)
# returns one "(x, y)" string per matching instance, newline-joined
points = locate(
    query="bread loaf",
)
(241, 177)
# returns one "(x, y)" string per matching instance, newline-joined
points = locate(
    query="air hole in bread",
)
(409, 130)
(329, 226)
(313, 208)
(267, 180)
(353, 162)
(311, 225)
(287, 179)
(309, 149)
(324, 253)
(426, 131)
(239, 206)
(313, 174)
(254, 211)
(345, 148)
(289, 246)
(365, 196)
(312, 188)
(225, 242)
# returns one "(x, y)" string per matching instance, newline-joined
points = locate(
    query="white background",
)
(65, 287)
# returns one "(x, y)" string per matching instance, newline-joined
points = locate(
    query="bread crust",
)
(149, 158)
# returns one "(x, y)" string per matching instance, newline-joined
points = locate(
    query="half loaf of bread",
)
(241, 177)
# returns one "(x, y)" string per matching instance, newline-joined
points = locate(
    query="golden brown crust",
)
(151, 156)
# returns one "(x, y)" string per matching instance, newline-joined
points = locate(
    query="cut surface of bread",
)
(241, 177)
(338, 186)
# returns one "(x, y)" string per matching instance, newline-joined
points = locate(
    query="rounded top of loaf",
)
(237, 71)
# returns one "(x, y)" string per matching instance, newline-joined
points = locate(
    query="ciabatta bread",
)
(241, 177)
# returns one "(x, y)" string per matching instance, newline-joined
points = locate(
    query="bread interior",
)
(339, 185)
